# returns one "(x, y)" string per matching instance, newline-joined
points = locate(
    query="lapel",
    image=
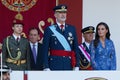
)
(66, 30)
(13, 41)
(58, 29)
(86, 48)
(65, 33)
(39, 52)
(21, 42)
(31, 55)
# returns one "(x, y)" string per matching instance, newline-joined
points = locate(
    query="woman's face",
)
(102, 31)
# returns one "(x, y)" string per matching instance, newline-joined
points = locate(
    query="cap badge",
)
(63, 7)
(90, 28)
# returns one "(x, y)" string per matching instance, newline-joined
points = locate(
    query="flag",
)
(33, 13)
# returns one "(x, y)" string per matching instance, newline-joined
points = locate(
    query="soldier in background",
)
(88, 34)
(15, 51)
(4, 73)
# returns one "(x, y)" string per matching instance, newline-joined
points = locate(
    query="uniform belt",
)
(17, 62)
(65, 53)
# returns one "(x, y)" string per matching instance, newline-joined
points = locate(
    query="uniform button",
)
(84, 60)
(51, 59)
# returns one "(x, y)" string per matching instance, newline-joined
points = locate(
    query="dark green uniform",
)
(16, 54)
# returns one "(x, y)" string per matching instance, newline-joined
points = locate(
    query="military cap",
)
(4, 69)
(60, 8)
(88, 29)
(17, 21)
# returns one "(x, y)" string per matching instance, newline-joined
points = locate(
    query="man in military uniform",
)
(88, 34)
(15, 51)
(61, 41)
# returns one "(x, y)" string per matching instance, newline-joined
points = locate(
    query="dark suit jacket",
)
(38, 65)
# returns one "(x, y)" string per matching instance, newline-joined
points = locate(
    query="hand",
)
(76, 69)
(46, 69)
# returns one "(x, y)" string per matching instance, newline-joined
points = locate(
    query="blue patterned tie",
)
(34, 52)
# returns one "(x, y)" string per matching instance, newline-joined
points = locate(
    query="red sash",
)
(90, 68)
(65, 53)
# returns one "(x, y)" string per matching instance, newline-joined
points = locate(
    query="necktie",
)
(17, 39)
(34, 52)
(62, 26)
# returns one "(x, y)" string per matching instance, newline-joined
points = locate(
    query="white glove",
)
(46, 69)
(76, 69)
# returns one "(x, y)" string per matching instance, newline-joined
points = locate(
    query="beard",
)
(63, 19)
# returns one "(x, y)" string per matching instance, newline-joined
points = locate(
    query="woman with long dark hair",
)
(102, 50)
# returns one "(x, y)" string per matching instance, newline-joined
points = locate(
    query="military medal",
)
(70, 38)
(70, 34)
(55, 41)
(71, 42)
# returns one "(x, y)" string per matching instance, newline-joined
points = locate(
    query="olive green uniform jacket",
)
(16, 54)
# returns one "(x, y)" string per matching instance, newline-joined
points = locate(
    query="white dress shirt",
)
(87, 44)
(36, 46)
(16, 37)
